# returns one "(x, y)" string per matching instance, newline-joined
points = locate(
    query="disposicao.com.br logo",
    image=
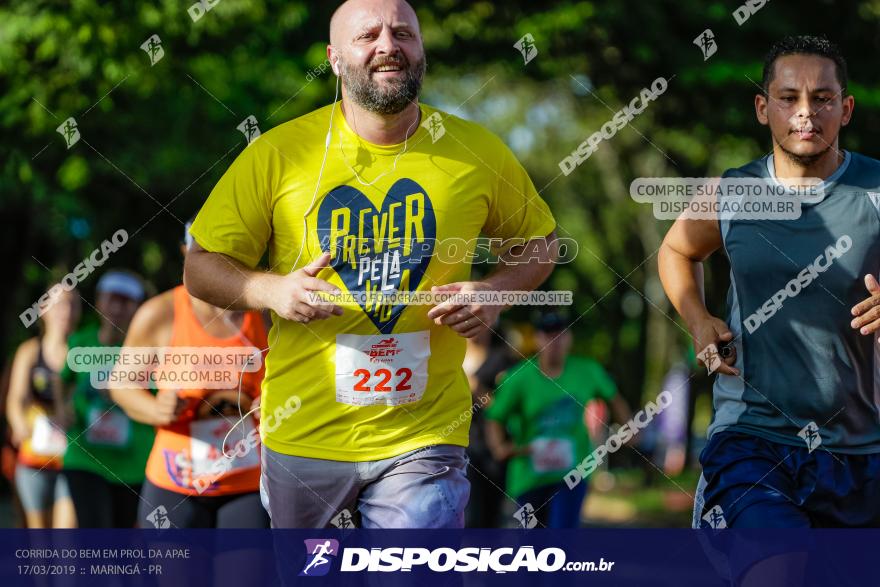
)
(441, 560)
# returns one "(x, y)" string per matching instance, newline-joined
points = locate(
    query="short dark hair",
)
(804, 45)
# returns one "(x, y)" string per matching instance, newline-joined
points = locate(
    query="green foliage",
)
(155, 138)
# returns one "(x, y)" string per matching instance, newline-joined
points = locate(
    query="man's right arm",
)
(687, 244)
(227, 283)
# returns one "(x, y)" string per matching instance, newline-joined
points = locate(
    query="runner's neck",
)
(552, 370)
(109, 335)
(380, 129)
(54, 337)
(54, 348)
(787, 171)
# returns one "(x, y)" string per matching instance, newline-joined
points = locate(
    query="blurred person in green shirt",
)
(537, 422)
(106, 451)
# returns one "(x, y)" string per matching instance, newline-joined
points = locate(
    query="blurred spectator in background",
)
(106, 452)
(537, 422)
(486, 357)
(664, 440)
(31, 412)
(188, 472)
(670, 451)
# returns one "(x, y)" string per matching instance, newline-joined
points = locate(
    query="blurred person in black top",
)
(487, 356)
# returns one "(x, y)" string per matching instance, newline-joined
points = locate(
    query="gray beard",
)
(388, 100)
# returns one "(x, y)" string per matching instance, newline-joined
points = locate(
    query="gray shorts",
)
(424, 488)
(39, 489)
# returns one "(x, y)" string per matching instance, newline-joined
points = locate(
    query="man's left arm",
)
(516, 216)
(521, 268)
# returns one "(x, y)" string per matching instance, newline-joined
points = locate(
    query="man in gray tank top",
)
(795, 438)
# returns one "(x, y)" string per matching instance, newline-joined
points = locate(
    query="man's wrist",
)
(260, 290)
(696, 317)
(497, 281)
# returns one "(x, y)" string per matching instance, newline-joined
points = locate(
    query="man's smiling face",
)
(379, 54)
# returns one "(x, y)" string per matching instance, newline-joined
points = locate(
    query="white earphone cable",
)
(293, 268)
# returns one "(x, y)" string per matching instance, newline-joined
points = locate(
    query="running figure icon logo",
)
(711, 358)
(343, 520)
(715, 518)
(706, 42)
(153, 48)
(810, 434)
(249, 128)
(318, 552)
(69, 130)
(526, 46)
(526, 516)
(434, 125)
(159, 518)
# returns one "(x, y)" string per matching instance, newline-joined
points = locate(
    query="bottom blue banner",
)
(239, 558)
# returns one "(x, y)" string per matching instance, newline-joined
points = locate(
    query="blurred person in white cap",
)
(106, 451)
(196, 470)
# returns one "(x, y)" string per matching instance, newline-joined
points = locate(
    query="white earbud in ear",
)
(336, 67)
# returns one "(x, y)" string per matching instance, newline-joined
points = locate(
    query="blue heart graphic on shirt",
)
(361, 240)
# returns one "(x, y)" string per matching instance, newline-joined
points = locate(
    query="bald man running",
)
(377, 193)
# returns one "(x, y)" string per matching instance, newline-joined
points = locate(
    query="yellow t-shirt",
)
(372, 384)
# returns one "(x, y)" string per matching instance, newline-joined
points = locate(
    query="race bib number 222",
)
(382, 369)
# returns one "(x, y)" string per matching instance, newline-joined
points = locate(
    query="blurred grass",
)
(622, 499)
